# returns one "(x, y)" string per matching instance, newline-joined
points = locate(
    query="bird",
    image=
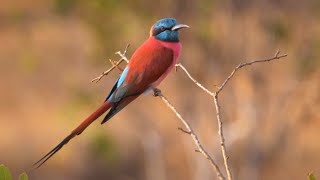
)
(147, 67)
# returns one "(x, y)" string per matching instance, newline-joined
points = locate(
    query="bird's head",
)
(167, 30)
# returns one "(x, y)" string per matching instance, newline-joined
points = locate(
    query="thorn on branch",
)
(197, 151)
(277, 53)
(181, 129)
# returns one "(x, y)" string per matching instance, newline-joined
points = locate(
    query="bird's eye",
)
(162, 28)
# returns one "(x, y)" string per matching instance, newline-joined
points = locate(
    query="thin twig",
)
(222, 139)
(181, 129)
(276, 56)
(217, 105)
(114, 65)
(186, 124)
(220, 130)
(123, 55)
(194, 137)
(192, 79)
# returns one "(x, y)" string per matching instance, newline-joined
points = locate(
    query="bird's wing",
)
(147, 65)
(144, 68)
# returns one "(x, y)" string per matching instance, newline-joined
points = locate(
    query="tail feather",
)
(53, 151)
(119, 106)
(113, 111)
(105, 106)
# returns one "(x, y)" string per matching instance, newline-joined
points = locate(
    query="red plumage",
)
(149, 65)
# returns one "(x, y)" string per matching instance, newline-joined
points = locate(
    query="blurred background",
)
(51, 49)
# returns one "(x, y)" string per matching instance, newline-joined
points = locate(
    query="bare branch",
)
(189, 130)
(217, 106)
(193, 135)
(182, 130)
(214, 95)
(220, 130)
(275, 57)
(114, 64)
(192, 79)
(222, 139)
(123, 55)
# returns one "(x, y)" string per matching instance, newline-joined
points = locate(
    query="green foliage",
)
(64, 7)
(5, 174)
(23, 176)
(309, 61)
(278, 29)
(311, 176)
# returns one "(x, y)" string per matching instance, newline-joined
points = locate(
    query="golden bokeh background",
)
(51, 49)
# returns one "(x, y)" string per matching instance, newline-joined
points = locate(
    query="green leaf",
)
(23, 176)
(311, 176)
(5, 173)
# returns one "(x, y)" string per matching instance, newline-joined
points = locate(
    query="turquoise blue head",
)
(167, 30)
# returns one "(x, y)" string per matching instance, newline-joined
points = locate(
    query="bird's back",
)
(152, 61)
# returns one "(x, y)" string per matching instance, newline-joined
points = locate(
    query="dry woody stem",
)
(214, 95)
(115, 64)
(195, 138)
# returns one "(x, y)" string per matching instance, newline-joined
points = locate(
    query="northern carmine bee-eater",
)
(148, 66)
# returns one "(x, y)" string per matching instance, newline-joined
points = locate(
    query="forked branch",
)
(114, 64)
(189, 130)
(213, 94)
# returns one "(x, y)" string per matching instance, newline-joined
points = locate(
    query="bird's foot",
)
(156, 92)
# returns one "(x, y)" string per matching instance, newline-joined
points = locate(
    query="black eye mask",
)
(157, 31)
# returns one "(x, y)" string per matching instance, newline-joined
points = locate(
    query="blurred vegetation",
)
(311, 176)
(51, 49)
(103, 147)
(5, 174)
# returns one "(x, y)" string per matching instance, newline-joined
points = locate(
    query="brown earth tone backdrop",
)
(51, 49)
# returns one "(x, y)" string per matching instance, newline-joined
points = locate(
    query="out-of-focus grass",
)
(311, 177)
(310, 58)
(23, 176)
(5, 174)
(64, 7)
(278, 29)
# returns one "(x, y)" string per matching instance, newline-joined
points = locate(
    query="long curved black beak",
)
(179, 26)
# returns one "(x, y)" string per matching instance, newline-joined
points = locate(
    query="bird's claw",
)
(156, 92)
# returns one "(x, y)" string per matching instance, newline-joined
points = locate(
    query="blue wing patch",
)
(123, 76)
(118, 83)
